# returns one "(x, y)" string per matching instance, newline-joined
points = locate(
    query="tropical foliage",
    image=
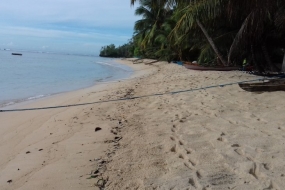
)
(126, 50)
(213, 32)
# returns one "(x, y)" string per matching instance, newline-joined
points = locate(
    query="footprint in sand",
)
(240, 151)
(198, 174)
(189, 166)
(222, 139)
(254, 170)
(181, 156)
(189, 150)
(174, 128)
(193, 161)
(267, 166)
(194, 182)
(272, 186)
(174, 149)
(235, 145)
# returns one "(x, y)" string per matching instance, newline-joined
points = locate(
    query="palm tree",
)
(199, 16)
(255, 23)
(283, 61)
(169, 49)
(151, 23)
(169, 3)
(262, 27)
(247, 28)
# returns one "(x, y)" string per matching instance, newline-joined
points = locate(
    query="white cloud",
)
(57, 40)
(50, 23)
(92, 12)
(55, 34)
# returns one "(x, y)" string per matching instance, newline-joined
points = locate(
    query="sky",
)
(65, 26)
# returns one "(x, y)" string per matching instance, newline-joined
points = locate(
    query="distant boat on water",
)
(17, 54)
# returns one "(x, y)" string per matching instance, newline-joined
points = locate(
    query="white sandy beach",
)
(56, 148)
(217, 138)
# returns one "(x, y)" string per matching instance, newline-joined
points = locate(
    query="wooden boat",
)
(17, 54)
(202, 68)
(269, 86)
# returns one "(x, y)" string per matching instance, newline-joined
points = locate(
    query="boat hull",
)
(270, 86)
(201, 68)
(17, 54)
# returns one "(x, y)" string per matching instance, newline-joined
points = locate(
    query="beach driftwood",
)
(269, 86)
(150, 63)
(139, 60)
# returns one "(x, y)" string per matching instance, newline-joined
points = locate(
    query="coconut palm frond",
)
(207, 55)
(216, 28)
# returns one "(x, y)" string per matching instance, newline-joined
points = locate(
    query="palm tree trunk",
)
(257, 66)
(271, 65)
(283, 65)
(211, 42)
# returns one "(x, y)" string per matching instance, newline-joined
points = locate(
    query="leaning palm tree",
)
(151, 23)
(250, 28)
(169, 49)
(203, 16)
(156, 2)
(263, 26)
(255, 22)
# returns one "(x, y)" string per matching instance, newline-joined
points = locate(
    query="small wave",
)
(103, 79)
(35, 97)
(9, 103)
(111, 65)
(4, 104)
(105, 63)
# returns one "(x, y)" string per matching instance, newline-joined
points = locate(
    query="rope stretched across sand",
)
(131, 98)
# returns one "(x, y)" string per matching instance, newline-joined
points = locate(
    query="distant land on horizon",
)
(46, 52)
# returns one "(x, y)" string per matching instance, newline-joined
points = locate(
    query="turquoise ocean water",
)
(35, 75)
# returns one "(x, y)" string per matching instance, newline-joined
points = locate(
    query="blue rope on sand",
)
(132, 98)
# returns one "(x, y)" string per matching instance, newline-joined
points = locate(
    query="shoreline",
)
(216, 138)
(108, 63)
(57, 148)
(8, 104)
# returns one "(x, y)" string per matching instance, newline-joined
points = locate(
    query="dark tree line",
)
(126, 50)
(224, 32)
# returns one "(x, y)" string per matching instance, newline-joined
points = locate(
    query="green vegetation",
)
(213, 32)
(126, 50)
